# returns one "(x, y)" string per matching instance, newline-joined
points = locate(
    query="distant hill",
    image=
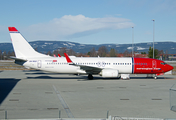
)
(45, 46)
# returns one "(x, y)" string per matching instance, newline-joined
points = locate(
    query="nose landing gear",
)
(155, 77)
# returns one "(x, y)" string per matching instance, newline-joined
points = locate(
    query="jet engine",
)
(109, 73)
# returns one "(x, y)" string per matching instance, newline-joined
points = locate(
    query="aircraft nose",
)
(170, 67)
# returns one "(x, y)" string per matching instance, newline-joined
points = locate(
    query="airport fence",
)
(131, 118)
(173, 98)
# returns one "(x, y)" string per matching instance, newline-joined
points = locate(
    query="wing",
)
(88, 69)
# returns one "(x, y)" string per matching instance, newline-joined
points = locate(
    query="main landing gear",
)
(90, 77)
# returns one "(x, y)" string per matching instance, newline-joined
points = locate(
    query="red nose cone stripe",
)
(171, 68)
(12, 29)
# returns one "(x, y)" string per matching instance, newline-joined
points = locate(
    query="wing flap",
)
(90, 69)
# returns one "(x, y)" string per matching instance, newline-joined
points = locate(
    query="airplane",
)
(107, 67)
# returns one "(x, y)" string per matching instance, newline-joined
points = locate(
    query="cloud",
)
(148, 33)
(166, 6)
(70, 26)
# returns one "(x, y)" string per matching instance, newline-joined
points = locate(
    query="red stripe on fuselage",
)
(148, 66)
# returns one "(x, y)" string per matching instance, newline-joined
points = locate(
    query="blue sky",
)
(89, 21)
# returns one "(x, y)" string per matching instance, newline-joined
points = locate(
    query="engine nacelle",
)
(110, 73)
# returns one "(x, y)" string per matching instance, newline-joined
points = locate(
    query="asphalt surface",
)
(36, 94)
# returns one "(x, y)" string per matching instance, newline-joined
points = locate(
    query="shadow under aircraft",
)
(6, 86)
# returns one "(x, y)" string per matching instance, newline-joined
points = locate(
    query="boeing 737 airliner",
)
(107, 67)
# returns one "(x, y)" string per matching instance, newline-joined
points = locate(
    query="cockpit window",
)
(163, 63)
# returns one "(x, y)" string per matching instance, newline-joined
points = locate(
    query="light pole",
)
(132, 40)
(153, 37)
(2, 55)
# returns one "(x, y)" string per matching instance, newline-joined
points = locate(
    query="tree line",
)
(101, 52)
(5, 55)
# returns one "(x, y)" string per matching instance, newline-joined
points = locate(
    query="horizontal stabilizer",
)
(14, 58)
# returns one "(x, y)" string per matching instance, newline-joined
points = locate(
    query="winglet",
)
(59, 55)
(12, 29)
(67, 58)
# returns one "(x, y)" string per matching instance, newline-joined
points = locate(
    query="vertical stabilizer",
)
(22, 48)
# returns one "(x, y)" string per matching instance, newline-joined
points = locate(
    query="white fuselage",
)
(60, 65)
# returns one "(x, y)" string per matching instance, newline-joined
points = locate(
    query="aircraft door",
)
(153, 64)
(39, 63)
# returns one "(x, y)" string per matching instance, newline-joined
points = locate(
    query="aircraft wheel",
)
(90, 77)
